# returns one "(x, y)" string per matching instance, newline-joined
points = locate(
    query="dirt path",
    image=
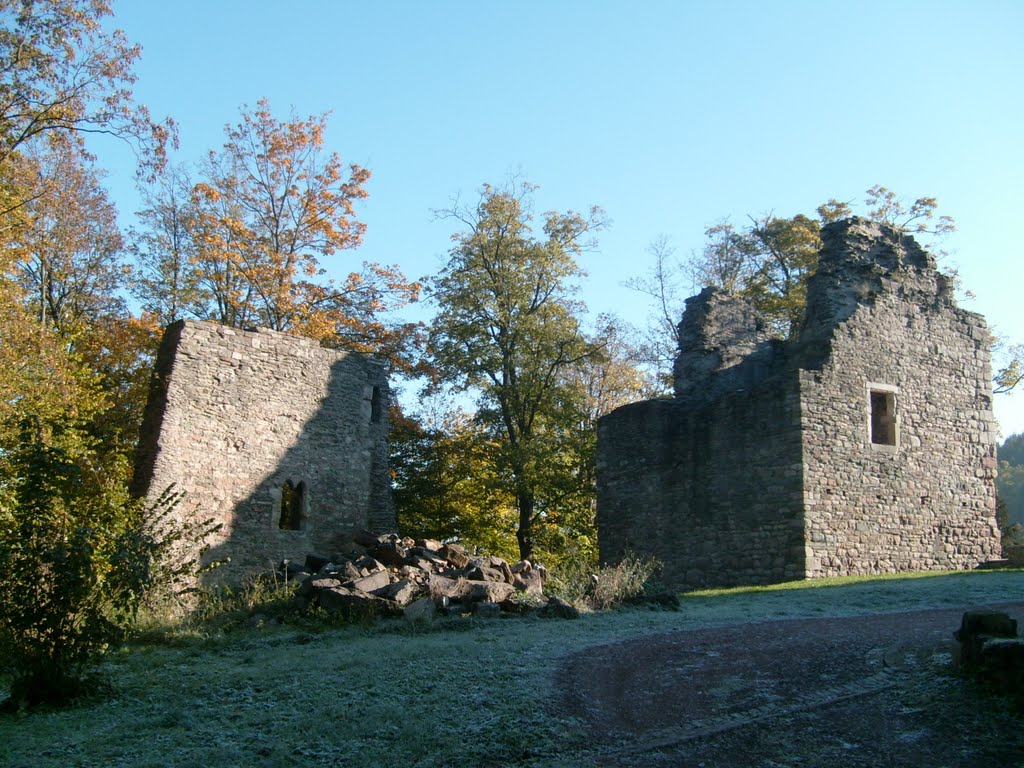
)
(865, 691)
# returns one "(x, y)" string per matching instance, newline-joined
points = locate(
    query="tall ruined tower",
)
(281, 441)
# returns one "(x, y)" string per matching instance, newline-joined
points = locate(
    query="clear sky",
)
(669, 115)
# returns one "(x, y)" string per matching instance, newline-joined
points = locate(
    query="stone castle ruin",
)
(281, 441)
(864, 445)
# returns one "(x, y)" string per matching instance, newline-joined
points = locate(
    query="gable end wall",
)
(928, 502)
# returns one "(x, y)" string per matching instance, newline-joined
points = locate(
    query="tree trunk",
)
(524, 534)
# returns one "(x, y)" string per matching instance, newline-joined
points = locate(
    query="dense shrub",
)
(588, 587)
(77, 555)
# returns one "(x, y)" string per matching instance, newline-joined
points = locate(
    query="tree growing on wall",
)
(768, 262)
(508, 328)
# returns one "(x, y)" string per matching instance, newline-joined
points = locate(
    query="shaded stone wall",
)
(235, 415)
(892, 325)
(713, 490)
(867, 445)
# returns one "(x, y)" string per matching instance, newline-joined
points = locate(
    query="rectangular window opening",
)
(883, 417)
(375, 406)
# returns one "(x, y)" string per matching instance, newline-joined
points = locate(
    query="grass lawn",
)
(470, 693)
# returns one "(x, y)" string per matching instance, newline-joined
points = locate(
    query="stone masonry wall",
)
(712, 490)
(927, 502)
(234, 415)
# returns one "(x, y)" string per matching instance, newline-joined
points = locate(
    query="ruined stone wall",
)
(235, 415)
(927, 501)
(866, 445)
(713, 490)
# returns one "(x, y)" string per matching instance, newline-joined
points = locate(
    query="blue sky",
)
(669, 115)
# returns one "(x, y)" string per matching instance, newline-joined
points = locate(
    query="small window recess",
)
(883, 422)
(293, 506)
(375, 406)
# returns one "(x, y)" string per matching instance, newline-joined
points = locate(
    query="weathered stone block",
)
(401, 592)
(421, 612)
(490, 591)
(340, 599)
(370, 583)
(455, 554)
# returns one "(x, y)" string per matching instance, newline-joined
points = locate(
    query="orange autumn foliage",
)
(273, 203)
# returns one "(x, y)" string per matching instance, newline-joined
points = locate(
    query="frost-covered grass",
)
(467, 694)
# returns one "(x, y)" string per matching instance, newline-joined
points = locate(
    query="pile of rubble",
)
(388, 575)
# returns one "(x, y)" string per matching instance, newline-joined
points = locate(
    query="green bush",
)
(77, 557)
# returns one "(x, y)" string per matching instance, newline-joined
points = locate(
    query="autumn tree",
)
(268, 208)
(62, 72)
(508, 328)
(70, 252)
(63, 75)
(1011, 371)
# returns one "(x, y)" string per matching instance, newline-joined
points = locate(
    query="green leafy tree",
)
(446, 483)
(78, 557)
(508, 328)
(1010, 480)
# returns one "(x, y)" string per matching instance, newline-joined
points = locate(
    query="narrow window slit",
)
(375, 406)
(292, 499)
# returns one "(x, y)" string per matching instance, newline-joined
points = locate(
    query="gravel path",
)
(866, 691)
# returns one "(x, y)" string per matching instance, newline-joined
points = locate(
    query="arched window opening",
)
(292, 499)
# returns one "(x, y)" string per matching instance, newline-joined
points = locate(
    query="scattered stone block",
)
(557, 608)
(484, 574)
(454, 554)
(421, 612)
(456, 590)
(340, 599)
(490, 591)
(529, 582)
(370, 583)
(401, 592)
(395, 572)
(391, 553)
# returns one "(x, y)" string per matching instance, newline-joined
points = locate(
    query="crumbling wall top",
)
(861, 260)
(718, 332)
